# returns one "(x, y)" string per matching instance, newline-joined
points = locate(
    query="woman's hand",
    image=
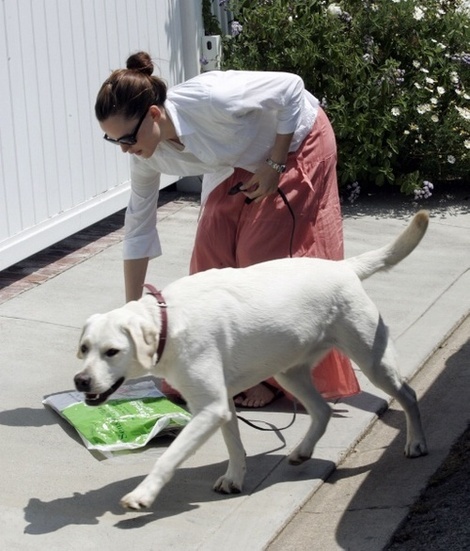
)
(264, 182)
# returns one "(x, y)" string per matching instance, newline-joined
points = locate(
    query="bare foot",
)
(257, 396)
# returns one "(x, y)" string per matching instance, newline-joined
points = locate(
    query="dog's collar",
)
(164, 315)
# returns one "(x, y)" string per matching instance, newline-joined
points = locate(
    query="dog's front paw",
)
(226, 485)
(137, 499)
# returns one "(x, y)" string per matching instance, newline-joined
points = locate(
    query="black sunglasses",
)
(128, 139)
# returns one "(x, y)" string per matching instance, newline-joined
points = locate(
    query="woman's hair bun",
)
(141, 61)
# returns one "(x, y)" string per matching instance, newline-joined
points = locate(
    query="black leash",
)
(234, 190)
(286, 202)
(273, 428)
(237, 189)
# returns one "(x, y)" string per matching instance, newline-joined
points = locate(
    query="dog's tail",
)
(368, 263)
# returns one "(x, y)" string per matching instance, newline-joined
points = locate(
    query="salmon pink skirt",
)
(231, 233)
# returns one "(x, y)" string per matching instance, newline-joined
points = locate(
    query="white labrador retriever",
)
(229, 329)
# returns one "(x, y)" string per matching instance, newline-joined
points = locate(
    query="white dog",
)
(228, 329)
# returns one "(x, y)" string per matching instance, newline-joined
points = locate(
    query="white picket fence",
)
(57, 175)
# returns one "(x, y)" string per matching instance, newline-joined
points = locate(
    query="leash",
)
(233, 191)
(164, 316)
(273, 428)
(286, 202)
(237, 189)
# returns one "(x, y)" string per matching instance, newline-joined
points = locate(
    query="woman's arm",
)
(141, 240)
(134, 277)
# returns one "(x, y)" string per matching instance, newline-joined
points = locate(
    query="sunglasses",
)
(128, 139)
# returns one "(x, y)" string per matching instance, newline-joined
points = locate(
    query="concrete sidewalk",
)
(57, 495)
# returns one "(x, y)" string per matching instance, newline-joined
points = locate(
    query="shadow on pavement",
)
(188, 488)
(395, 482)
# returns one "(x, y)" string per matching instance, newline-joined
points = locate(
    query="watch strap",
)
(278, 167)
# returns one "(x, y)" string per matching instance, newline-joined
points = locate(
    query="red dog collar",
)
(164, 315)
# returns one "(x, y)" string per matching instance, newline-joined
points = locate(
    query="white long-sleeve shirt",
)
(225, 120)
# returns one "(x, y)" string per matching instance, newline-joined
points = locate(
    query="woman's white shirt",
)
(225, 120)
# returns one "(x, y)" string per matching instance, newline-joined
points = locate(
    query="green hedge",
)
(393, 76)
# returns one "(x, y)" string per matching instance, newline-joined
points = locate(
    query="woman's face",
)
(147, 134)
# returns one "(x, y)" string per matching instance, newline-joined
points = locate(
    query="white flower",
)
(464, 112)
(429, 80)
(451, 159)
(440, 90)
(335, 9)
(395, 111)
(423, 108)
(454, 77)
(464, 7)
(418, 13)
(434, 101)
(236, 28)
(417, 85)
(435, 118)
(423, 70)
(466, 144)
(416, 64)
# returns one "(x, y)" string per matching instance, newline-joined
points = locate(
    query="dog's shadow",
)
(189, 487)
(185, 492)
(49, 516)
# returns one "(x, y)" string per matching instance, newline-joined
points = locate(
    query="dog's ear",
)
(85, 327)
(144, 337)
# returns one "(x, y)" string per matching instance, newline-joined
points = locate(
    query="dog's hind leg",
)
(387, 379)
(415, 439)
(298, 382)
(232, 481)
(374, 352)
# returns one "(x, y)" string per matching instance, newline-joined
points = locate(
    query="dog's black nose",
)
(82, 382)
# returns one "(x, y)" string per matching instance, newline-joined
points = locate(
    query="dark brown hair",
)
(129, 92)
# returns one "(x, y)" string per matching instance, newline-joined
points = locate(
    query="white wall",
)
(57, 174)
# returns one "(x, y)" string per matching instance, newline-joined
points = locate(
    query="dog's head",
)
(114, 346)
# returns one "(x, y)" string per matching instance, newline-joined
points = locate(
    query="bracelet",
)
(279, 168)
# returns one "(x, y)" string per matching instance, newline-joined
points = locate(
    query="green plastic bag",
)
(137, 412)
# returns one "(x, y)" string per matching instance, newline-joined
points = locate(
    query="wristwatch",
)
(276, 166)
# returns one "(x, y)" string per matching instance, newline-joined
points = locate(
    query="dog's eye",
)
(83, 348)
(111, 352)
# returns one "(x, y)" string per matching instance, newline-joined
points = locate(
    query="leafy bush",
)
(393, 76)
